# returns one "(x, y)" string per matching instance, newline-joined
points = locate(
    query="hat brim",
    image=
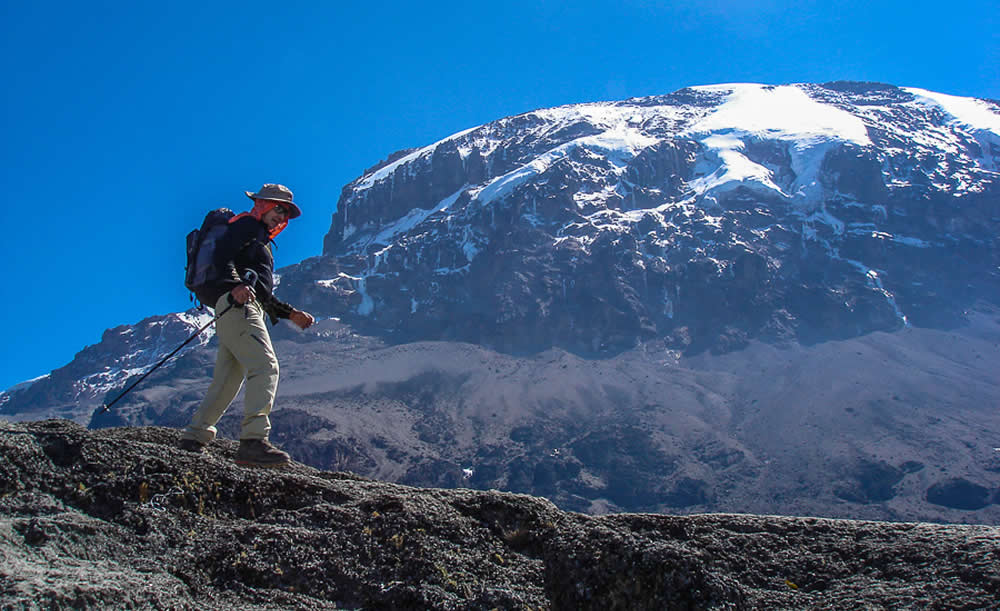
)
(293, 210)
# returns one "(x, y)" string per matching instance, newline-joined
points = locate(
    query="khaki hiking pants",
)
(245, 351)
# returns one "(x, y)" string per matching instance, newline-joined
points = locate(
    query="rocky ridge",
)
(121, 517)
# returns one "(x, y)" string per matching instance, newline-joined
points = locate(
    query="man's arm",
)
(277, 309)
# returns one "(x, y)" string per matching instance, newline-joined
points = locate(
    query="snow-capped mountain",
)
(630, 306)
(712, 215)
(75, 390)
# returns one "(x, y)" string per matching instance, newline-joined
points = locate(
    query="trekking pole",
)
(249, 278)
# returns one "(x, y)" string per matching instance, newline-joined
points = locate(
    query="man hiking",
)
(245, 349)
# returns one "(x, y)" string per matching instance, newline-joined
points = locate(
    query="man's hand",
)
(303, 320)
(243, 294)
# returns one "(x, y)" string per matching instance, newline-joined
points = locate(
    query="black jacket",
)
(246, 245)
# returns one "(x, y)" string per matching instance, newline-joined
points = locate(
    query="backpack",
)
(201, 273)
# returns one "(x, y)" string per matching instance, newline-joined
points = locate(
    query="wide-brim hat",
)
(277, 193)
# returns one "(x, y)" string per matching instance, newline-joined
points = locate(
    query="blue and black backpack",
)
(201, 273)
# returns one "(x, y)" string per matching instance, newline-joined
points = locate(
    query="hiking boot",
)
(192, 445)
(260, 453)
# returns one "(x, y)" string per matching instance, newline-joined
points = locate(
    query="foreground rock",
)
(121, 518)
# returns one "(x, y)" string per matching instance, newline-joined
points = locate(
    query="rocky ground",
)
(121, 518)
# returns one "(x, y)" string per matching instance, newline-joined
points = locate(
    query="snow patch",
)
(367, 305)
(972, 112)
(619, 144)
(195, 318)
(780, 113)
(412, 218)
(26, 384)
(732, 169)
(876, 281)
(760, 112)
(383, 172)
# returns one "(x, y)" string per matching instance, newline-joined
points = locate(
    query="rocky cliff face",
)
(709, 216)
(122, 518)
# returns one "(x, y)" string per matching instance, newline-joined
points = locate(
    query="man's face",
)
(275, 216)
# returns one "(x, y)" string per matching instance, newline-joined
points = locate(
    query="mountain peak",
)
(832, 190)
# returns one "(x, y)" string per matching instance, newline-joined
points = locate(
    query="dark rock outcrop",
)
(122, 518)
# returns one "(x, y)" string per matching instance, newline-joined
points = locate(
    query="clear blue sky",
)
(123, 122)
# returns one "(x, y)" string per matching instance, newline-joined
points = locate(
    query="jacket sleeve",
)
(277, 309)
